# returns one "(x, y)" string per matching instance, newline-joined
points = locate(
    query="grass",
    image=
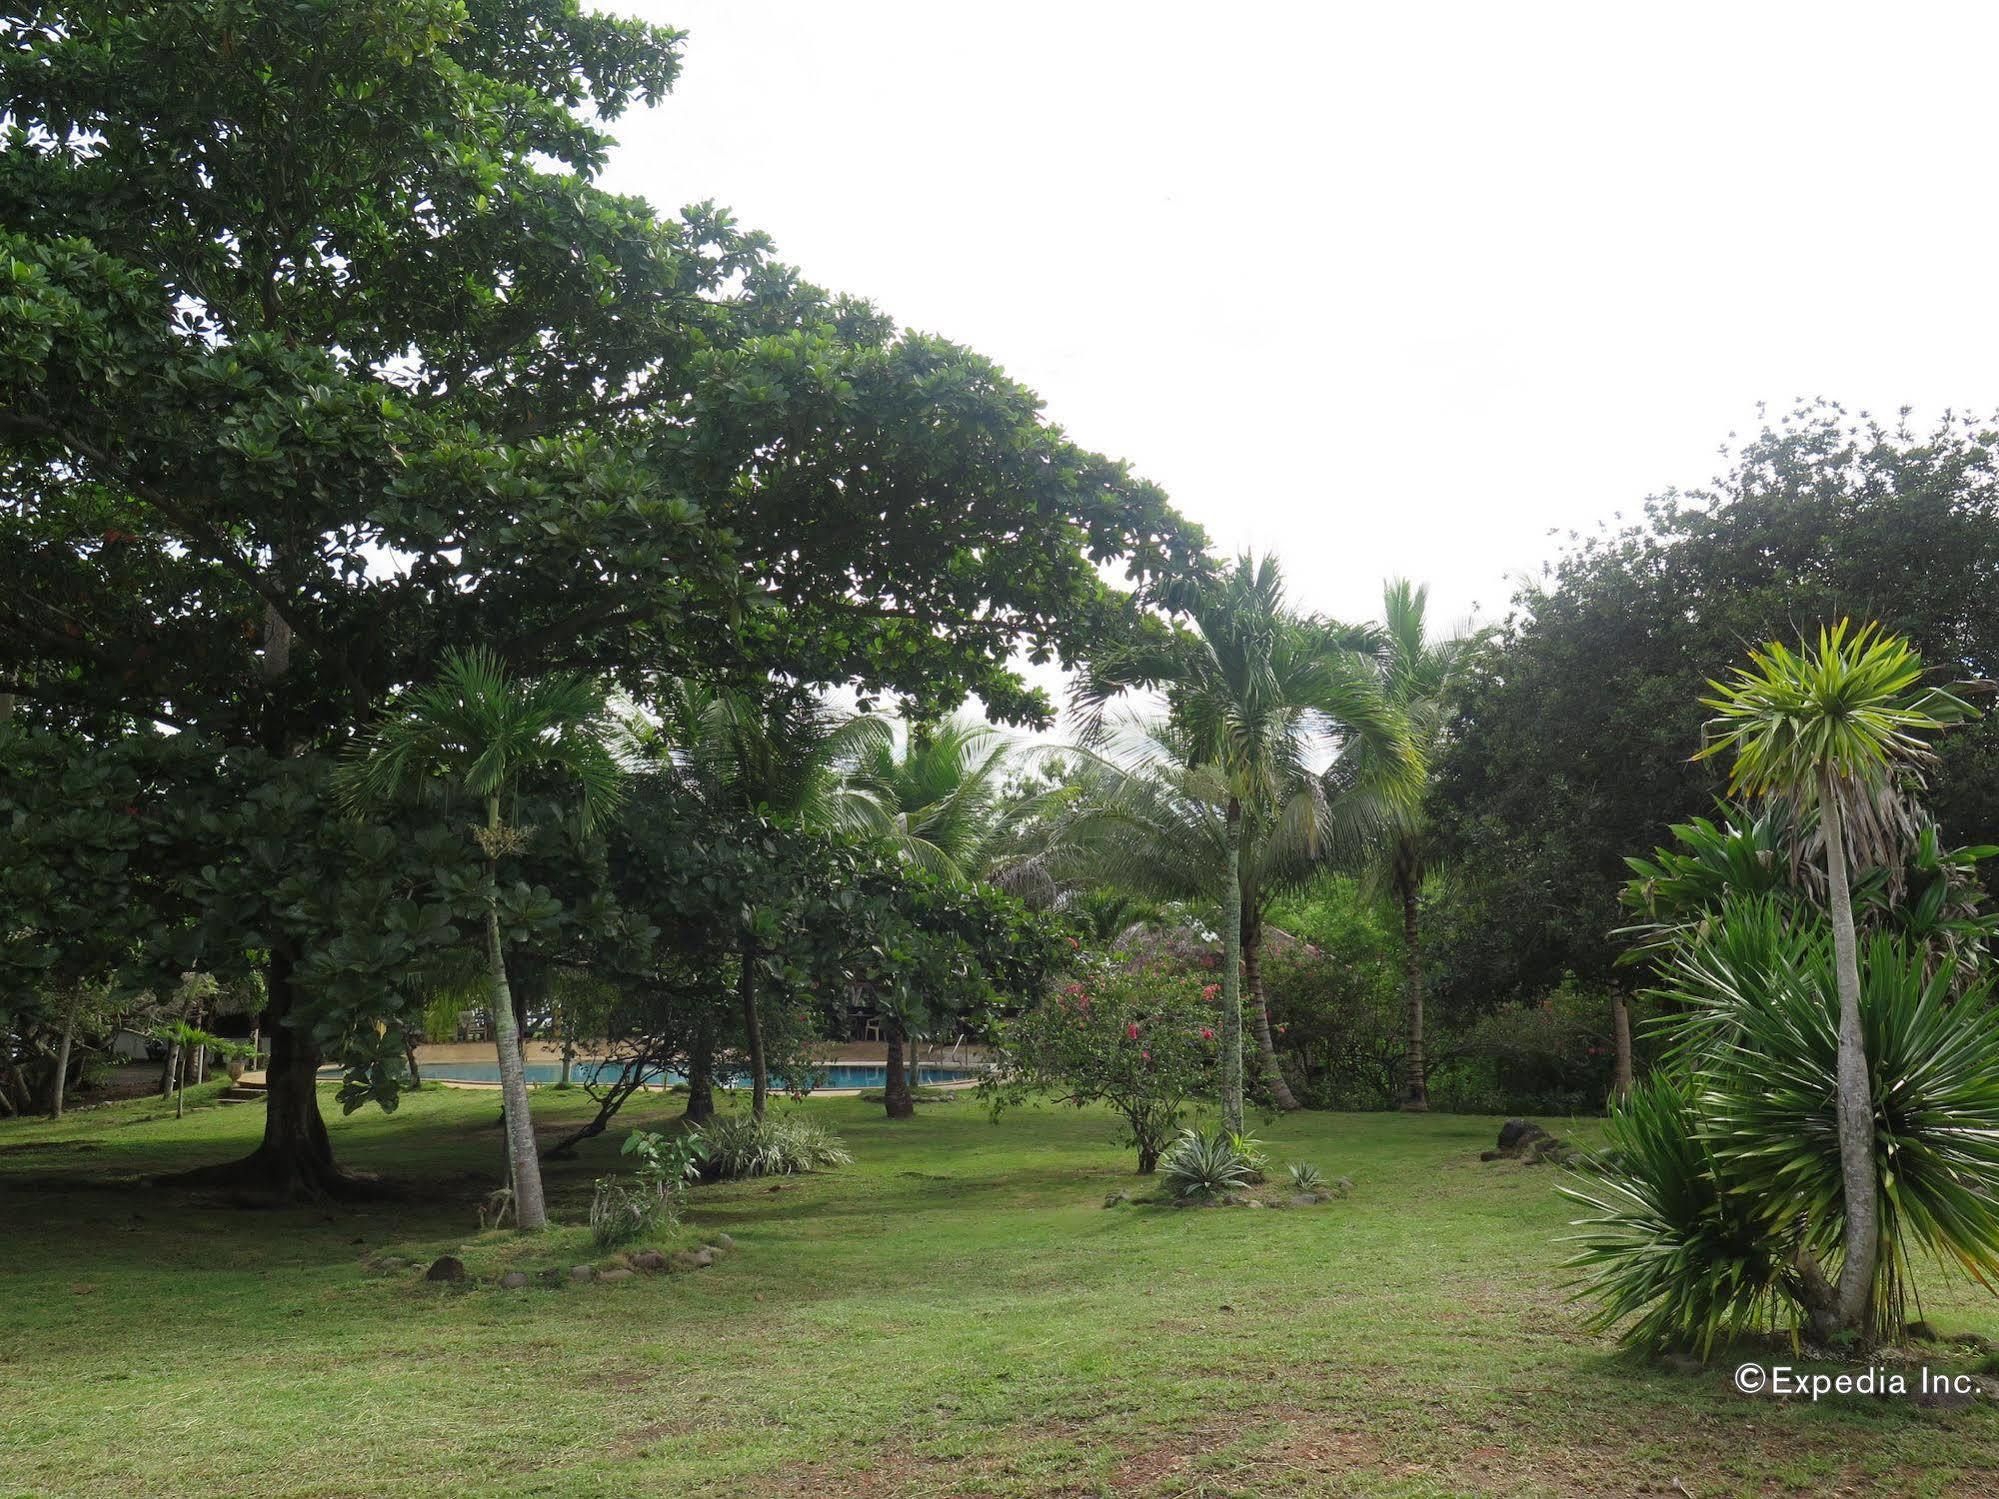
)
(955, 1314)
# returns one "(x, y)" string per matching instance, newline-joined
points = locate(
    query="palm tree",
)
(1253, 690)
(1837, 728)
(1420, 676)
(937, 797)
(786, 760)
(481, 732)
(1148, 822)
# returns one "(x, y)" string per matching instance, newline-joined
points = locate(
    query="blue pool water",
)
(833, 1075)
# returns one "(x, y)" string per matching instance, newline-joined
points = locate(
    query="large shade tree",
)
(1570, 747)
(321, 352)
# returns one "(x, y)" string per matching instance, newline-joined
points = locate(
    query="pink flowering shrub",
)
(1140, 1041)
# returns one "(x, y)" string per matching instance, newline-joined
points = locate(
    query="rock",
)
(618, 1274)
(686, 1260)
(1342, 1186)
(649, 1260)
(1116, 1199)
(704, 1257)
(1517, 1134)
(446, 1267)
(1253, 1203)
(724, 1241)
(1944, 1399)
(1304, 1199)
(582, 1272)
(513, 1280)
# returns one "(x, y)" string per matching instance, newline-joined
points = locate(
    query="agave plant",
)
(1305, 1177)
(1672, 1247)
(1206, 1167)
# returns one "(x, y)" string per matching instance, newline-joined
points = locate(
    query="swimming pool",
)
(832, 1075)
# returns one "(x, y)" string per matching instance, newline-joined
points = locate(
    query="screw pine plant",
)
(1838, 728)
(1828, 1115)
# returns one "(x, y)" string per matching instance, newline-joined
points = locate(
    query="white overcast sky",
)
(1388, 288)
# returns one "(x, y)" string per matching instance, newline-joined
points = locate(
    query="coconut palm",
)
(1254, 691)
(1420, 676)
(787, 760)
(936, 796)
(1838, 729)
(481, 732)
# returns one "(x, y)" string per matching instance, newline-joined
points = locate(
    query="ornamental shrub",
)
(1140, 1039)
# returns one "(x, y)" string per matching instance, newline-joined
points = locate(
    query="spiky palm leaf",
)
(483, 731)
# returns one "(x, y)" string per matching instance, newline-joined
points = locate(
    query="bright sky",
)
(1393, 288)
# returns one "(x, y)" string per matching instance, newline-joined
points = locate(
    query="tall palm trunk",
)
(1620, 1022)
(1415, 1072)
(530, 1212)
(753, 1029)
(1856, 1103)
(1252, 968)
(1232, 971)
(60, 1082)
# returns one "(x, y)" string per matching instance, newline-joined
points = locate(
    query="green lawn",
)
(955, 1314)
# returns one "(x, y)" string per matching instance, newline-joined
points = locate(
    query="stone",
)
(704, 1257)
(649, 1260)
(1117, 1199)
(447, 1267)
(1342, 1186)
(1304, 1199)
(1944, 1399)
(1253, 1203)
(1518, 1134)
(724, 1241)
(582, 1272)
(617, 1274)
(685, 1260)
(513, 1280)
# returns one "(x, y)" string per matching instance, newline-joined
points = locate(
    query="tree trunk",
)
(701, 1074)
(295, 1158)
(753, 1029)
(61, 1080)
(170, 1069)
(530, 1212)
(895, 1088)
(1620, 1022)
(1252, 966)
(1148, 1157)
(1415, 1073)
(1232, 971)
(1856, 1103)
(409, 1058)
(568, 1030)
